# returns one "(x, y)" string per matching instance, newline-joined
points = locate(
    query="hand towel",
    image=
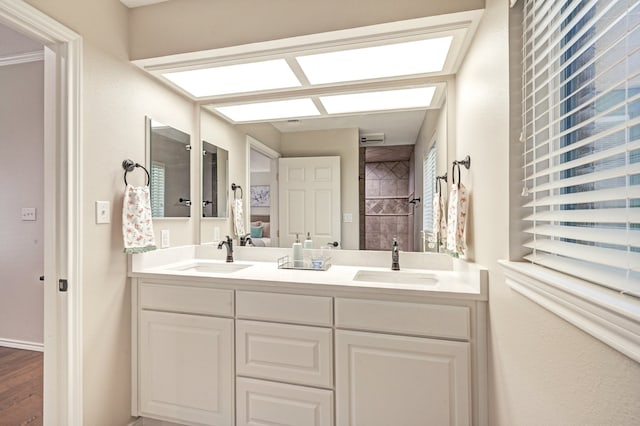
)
(238, 217)
(457, 219)
(439, 220)
(137, 227)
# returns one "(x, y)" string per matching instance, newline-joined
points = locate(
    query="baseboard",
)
(136, 422)
(20, 344)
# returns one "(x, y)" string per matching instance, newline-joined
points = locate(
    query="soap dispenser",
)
(298, 262)
(308, 244)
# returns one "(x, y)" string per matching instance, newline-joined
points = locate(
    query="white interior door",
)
(309, 200)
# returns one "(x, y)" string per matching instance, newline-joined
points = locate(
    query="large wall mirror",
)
(215, 175)
(169, 159)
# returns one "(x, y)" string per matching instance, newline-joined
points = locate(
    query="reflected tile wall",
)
(386, 206)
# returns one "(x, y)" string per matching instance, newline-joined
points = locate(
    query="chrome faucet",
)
(246, 240)
(229, 243)
(395, 256)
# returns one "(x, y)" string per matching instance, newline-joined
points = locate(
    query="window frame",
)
(611, 316)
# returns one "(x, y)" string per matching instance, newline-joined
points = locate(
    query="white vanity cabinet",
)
(228, 352)
(184, 354)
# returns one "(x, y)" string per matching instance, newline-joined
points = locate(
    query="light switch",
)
(28, 213)
(347, 217)
(164, 237)
(103, 212)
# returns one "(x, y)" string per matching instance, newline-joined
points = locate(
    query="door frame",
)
(255, 144)
(62, 391)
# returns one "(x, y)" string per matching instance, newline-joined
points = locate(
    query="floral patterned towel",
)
(238, 217)
(457, 219)
(439, 219)
(137, 227)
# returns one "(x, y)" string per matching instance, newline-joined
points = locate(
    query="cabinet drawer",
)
(196, 300)
(290, 353)
(404, 318)
(260, 403)
(312, 310)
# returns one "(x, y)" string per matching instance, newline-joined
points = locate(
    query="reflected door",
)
(309, 200)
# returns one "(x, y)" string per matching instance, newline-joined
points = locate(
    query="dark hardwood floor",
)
(20, 387)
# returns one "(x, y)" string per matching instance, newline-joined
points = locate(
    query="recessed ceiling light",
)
(240, 78)
(398, 59)
(419, 97)
(272, 110)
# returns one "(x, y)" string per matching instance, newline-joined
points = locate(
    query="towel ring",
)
(466, 163)
(233, 188)
(129, 166)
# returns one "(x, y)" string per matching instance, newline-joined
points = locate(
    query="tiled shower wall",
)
(386, 207)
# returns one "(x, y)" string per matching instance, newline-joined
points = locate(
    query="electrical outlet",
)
(28, 213)
(347, 217)
(103, 212)
(164, 238)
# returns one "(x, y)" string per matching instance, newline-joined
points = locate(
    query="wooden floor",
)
(20, 387)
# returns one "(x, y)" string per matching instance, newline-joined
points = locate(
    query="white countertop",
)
(467, 282)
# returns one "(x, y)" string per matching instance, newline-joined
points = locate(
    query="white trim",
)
(63, 398)
(21, 58)
(21, 344)
(607, 315)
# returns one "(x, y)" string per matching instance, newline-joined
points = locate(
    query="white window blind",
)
(157, 189)
(581, 136)
(428, 185)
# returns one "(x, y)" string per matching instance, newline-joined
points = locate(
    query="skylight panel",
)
(419, 97)
(273, 110)
(391, 60)
(240, 78)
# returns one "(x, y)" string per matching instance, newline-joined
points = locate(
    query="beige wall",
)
(343, 143)
(543, 371)
(116, 98)
(191, 25)
(21, 185)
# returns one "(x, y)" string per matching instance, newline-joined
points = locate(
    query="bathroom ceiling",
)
(400, 126)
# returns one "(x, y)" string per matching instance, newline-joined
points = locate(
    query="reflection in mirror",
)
(169, 157)
(215, 175)
(262, 199)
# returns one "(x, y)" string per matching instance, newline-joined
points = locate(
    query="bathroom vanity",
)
(246, 343)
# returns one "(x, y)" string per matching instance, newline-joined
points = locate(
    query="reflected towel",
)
(137, 227)
(439, 219)
(238, 217)
(457, 219)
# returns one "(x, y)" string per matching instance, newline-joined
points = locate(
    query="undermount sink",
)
(396, 277)
(211, 268)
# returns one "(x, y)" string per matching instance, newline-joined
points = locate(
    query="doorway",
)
(62, 388)
(387, 185)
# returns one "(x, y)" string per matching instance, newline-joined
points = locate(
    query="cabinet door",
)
(386, 380)
(263, 403)
(186, 368)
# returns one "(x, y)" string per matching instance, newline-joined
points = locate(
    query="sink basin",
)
(396, 277)
(211, 268)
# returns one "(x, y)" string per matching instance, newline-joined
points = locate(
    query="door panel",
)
(309, 190)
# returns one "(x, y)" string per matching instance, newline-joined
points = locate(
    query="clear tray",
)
(322, 264)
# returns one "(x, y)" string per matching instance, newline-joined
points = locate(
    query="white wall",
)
(543, 371)
(21, 185)
(345, 144)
